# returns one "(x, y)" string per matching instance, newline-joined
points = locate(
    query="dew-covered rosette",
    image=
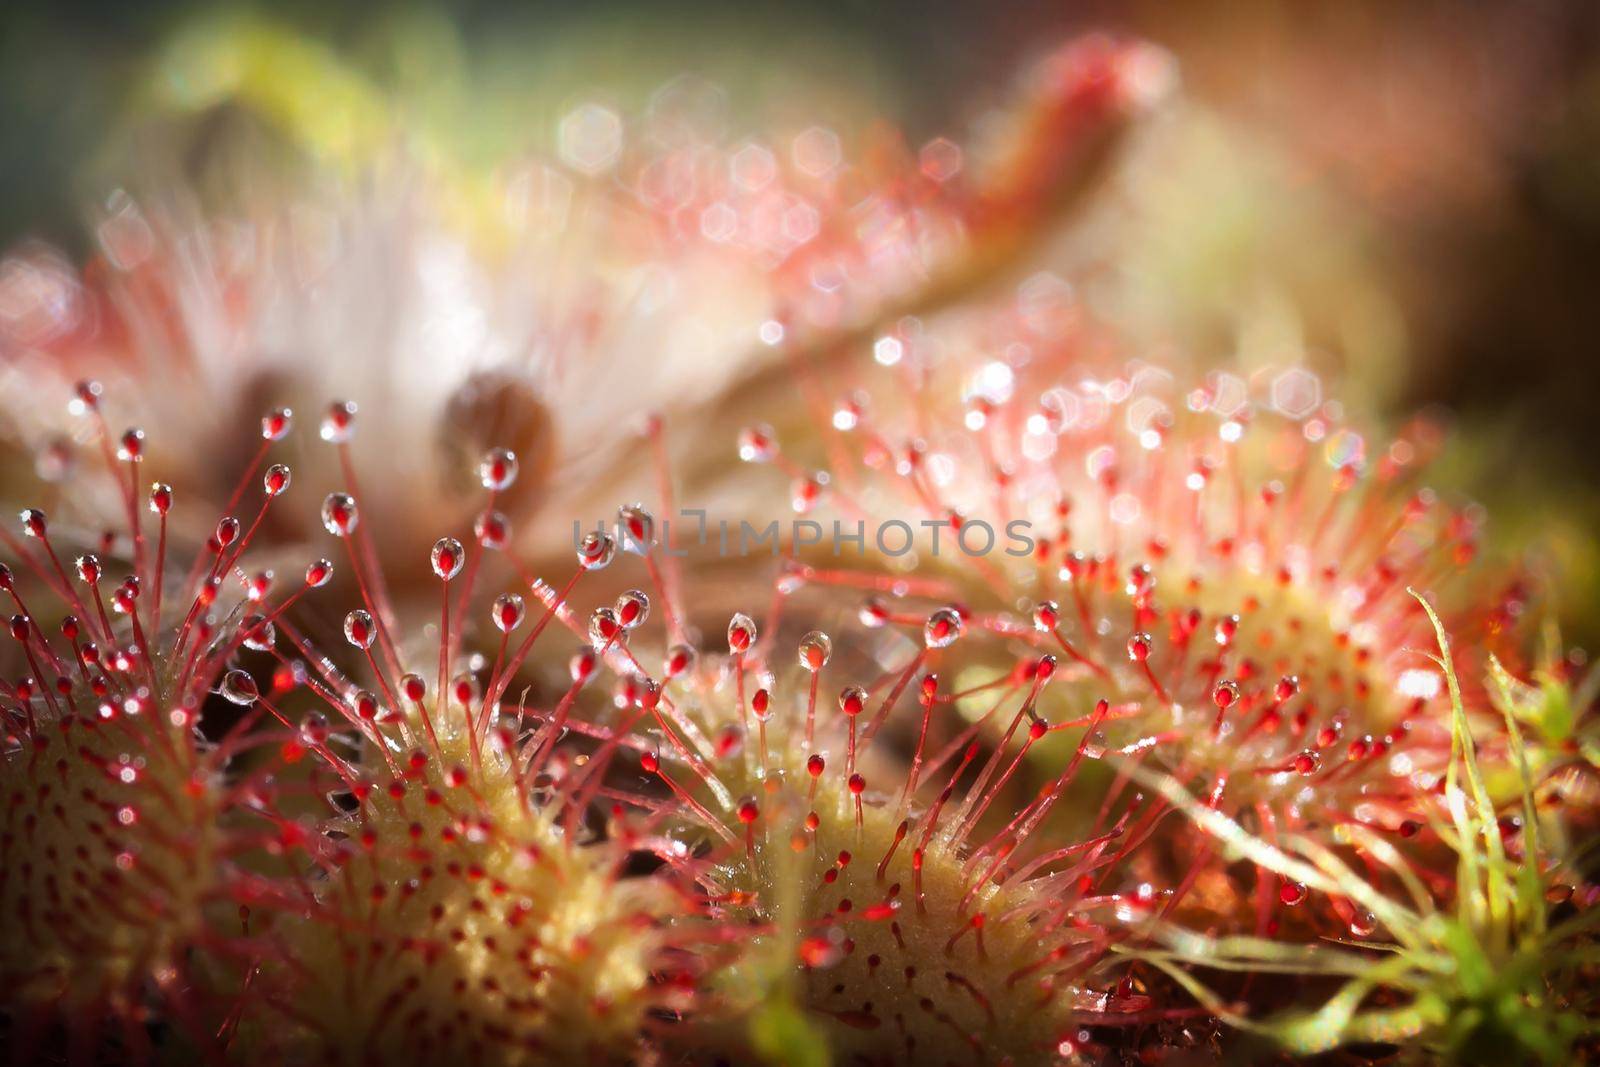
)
(885, 902)
(1225, 566)
(119, 843)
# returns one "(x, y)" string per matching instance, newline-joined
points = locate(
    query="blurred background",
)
(1406, 196)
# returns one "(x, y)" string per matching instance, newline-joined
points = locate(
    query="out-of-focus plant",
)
(643, 262)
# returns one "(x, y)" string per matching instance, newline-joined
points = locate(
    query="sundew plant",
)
(715, 574)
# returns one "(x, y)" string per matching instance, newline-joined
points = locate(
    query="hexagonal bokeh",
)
(940, 159)
(817, 151)
(753, 167)
(719, 222)
(1296, 392)
(590, 138)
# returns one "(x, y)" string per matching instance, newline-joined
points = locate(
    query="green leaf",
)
(1496, 886)
(1530, 887)
(783, 1036)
